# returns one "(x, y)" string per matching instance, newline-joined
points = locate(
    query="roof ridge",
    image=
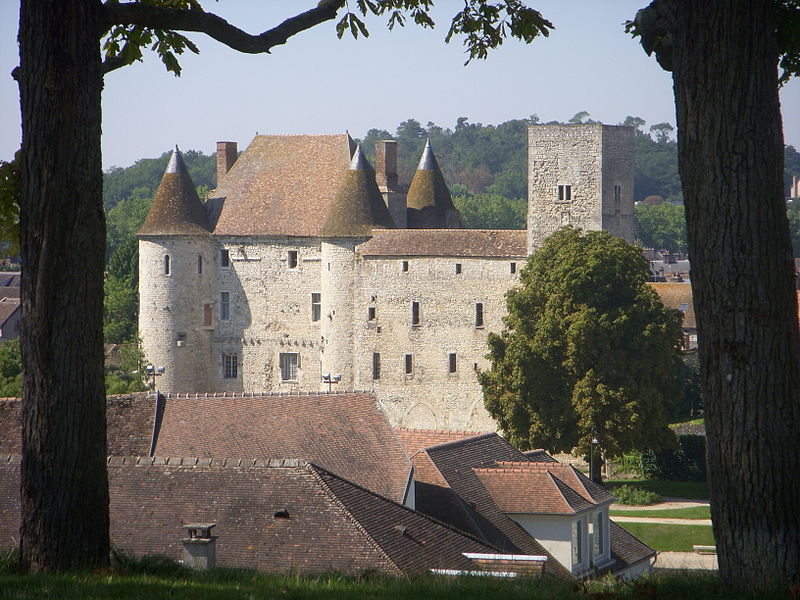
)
(559, 483)
(264, 394)
(205, 462)
(462, 441)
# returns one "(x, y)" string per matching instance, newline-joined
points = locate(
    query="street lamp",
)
(154, 372)
(331, 379)
(593, 470)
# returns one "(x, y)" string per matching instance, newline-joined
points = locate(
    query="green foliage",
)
(687, 462)
(587, 344)
(491, 211)
(656, 169)
(10, 194)
(662, 227)
(696, 490)
(126, 563)
(10, 369)
(120, 310)
(635, 496)
(128, 376)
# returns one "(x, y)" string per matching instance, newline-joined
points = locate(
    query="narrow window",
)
(409, 364)
(207, 315)
(513, 268)
(617, 193)
(451, 363)
(371, 313)
(479, 314)
(290, 361)
(230, 366)
(458, 268)
(415, 313)
(224, 258)
(564, 193)
(199, 264)
(224, 306)
(376, 365)
(166, 264)
(291, 259)
(597, 533)
(405, 266)
(316, 306)
(577, 543)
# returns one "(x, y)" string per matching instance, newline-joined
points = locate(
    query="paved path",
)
(662, 521)
(667, 504)
(685, 561)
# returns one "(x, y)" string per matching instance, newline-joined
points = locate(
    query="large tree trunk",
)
(64, 483)
(730, 148)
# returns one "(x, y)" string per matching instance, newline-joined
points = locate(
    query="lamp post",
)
(154, 372)
(593, 470)
(331, 379)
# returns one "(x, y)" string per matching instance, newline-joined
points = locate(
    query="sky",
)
(317, 83)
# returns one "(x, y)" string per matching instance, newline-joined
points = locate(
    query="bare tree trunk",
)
(731, 159)
(64, 483)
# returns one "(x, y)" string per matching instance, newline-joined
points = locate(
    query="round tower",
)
(176, 274)
(358, 209)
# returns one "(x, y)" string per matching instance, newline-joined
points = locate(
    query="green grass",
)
(695, 490)
(671, 538)
(691, 512)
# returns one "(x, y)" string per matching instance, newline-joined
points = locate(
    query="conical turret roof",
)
(176, 209)
(358, 207)
(428, 197)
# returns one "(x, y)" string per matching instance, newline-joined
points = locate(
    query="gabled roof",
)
(679, 297)
(346, 433)
(482, 243)
(627, 549)
(176, 209)
(359, 206)
(414, 440)
(283, 185)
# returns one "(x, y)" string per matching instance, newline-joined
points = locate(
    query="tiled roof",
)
(676, 295)
(626, 548)
(539, 455)
(176, 209)
(8, 306)
(10, 279)
(359, 206)
(283, 185)
(414, 440)
(428, 199)
(129, 422)
(346, 433)
(487, 243)
(325, 523)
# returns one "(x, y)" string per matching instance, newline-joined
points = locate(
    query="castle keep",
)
(307, 262)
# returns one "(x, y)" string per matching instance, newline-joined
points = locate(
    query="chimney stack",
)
(199, 547)
(386, 165)
(226, 156)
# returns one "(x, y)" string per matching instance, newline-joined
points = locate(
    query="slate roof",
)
(332, 524)
(282, 185)
(8, 306)
(482, 243)
(627, 549)
(176, 209)
(346, 433)
(675, 295)
(129, 422)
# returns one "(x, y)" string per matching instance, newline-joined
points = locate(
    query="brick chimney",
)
(386, 165)
(226, 156)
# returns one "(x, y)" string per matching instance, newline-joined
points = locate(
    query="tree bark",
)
(724, 61)
(64, 485)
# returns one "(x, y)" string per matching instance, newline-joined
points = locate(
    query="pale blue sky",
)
(319, 84)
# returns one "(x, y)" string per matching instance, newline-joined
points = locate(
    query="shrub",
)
(632, 495)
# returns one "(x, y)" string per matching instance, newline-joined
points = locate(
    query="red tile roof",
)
(485, 243)
(677, 296)
(414, 440)
(346, 433)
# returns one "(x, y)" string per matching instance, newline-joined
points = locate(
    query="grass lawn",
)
(692, 512)
(695, 490)
(671, 538)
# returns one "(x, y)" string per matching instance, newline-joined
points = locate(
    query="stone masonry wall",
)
(617, 183)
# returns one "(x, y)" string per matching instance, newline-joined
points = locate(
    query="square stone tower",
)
(579, 175)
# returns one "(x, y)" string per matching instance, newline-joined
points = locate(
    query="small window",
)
(564, 193)
(371, 313)
(513, 268)
(617, 194)
(291, 259)
(405, 266)
(683, 307)
(452, 363)
(479, 314)
(290, 362)
(199, 264)
(230, 366)
(316, 306)
(224, 258)
(225, 306)
(409, 364)
(577, 543)
(376, 365)
(458, 268)
(597, 533)
(167, 264)
(415, 313)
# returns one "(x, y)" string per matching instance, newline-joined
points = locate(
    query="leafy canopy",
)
(587, 344)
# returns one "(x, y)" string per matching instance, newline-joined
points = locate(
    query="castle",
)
(306, 268)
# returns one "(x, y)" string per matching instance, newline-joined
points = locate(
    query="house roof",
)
(176, 209)
(8, 306)
(280, 515)
(679, 297)
(483, 243)
(346, 433)
(428, 197)
(359, 206)
(283, 185)
(627, 549)
(414, 440)
(10, 279)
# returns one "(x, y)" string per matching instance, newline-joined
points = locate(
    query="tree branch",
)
(112, 63)
(154, 17)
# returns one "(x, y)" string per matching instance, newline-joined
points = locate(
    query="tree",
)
(723, 56)
(662, 227)
(587, 345)
(63, 231)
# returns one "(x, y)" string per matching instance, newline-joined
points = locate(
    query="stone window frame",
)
(371, 313)
(224, 258)
(167, 265)
(513, 268)
(230, 365)
(199, 264)
(408, 365)
(458, 269)
(416, 318)
(292, 259)
(404, 267)
(289, 363)
(452, 363)
(224, 305)
(376, 366)
(564, 192)
(316, 306)
(480, 321)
